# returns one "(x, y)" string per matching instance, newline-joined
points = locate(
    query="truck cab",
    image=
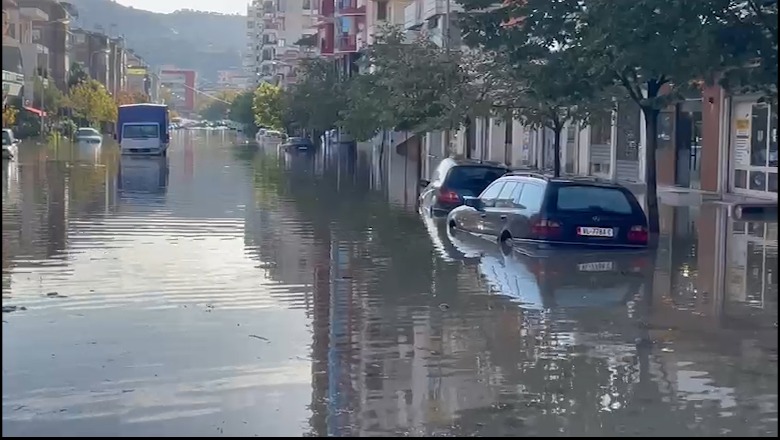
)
(142, 129)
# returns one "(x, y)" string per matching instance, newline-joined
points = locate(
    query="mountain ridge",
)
(202, 41)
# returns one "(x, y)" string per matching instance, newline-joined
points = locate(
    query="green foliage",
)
(218, 106)
(77, 75)
(315, 101)
(241, 111)
(53, 99)
(267, 106)
(92, 102)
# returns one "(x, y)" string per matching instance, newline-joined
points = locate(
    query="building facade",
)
(277, 34)
(93, 51)
(179, 87)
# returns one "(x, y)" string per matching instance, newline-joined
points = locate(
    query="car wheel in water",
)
(505, 241)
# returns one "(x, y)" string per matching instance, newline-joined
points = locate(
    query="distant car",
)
(455, 179)
(9, 144)
(88, 134)
(522, 209)
(295, 144)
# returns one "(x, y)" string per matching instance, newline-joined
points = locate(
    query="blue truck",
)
(142, 129)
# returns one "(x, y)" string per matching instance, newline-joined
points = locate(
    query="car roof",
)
(578, 180)
(463, 161)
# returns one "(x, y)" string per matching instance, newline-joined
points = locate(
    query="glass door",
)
(754, 149)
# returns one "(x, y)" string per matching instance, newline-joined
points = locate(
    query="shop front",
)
(753, 149)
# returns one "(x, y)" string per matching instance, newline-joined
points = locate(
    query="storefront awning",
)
(38, 112)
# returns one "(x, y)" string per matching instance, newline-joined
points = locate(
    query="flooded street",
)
(227, 291)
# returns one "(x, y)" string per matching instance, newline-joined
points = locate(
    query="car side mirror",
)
(424, 183)
(473, 202)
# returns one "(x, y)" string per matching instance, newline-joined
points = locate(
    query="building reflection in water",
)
(413, 336)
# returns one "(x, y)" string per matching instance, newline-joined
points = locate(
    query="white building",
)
(274, 27)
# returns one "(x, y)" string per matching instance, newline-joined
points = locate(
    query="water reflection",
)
(301, 294)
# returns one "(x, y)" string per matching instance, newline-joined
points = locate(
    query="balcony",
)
(349, 7)
(413, 16)
(269, 24)
(346, 43)
(432, 8)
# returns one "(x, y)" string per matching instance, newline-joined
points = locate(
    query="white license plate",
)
(587, 231)
(601, 266)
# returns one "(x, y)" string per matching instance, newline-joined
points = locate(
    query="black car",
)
(532, 209)
(295, 144)
(455, 179)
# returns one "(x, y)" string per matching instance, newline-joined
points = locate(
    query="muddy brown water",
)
(228, 291)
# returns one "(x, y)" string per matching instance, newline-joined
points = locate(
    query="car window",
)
(491, 193)
(473, 178)
(593, 199)
(531, 197)
(504, 199)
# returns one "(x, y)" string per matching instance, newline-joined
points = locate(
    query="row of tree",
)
(86, 101)
(546, 62)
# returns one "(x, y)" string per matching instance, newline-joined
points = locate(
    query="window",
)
(473, 178)
(531, 197)
(382, 10)
(505, 197)
(306, 5)
(148, 131)
(492, 192)
(593, 199)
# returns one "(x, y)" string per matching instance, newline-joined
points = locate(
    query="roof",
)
(564, 179)
(464, 161)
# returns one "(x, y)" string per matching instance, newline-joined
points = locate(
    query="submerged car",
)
(295, 144)
(88, 134)
(9, 144)
(455, 179)
(528, 209)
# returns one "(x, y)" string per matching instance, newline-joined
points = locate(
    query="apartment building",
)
(275, 29)
(92, 50)
(50, 29)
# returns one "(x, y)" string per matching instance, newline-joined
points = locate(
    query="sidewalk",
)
(738, 205)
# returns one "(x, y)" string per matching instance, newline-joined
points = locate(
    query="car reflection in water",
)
(139, 176)
(549, 279)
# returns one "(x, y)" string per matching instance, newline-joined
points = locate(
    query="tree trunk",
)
(557, 129)
(651, 179)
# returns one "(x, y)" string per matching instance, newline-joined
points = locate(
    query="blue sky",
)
(224, 6)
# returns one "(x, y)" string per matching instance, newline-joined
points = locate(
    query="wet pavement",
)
(228, 291)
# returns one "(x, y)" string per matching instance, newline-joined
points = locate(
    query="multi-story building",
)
(117, 65)
(138, 74)
(50, 28)
(233, 80)
(179, 86)
(92, 50)
(275, 29)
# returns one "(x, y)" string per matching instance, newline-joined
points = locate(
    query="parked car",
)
(529, 209)
(9, 144)
(295, 144)
(455, 179)
(88, 134)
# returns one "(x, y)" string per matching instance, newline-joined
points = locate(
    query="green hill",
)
(203, 41)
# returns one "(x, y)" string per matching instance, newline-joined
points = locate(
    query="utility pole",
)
(447, 132)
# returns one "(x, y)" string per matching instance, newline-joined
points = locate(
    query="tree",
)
(654, 50)
(53, 99)
(77, 75)
(217, 107)
(92, 102)
(125, 97)
(668, 54)
(315, 101)
(241, 111)
(749, 38)
(406, 86)
(9, 116)
(267, 106)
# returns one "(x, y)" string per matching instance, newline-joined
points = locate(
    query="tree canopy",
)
(267, 105)
(92, 102)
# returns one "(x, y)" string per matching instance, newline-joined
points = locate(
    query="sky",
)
(223, 6)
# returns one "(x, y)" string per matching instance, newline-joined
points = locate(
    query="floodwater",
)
(228, 291)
